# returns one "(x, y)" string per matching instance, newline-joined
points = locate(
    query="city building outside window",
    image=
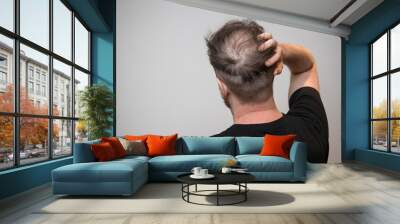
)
(3, 72)
(3, 61)
(43, 90)
(37, 74)
(44, 77)
(38, 89)
(3, 78)
(30, 87)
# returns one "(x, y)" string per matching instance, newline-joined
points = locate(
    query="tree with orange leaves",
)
(6, 122)
(33, 131)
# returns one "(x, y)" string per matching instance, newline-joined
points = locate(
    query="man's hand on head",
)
(298, 59)
(276, 59)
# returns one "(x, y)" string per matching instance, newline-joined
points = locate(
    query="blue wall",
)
(102, 58)
(356, 84)
(103, 51)
(99, 15)
(356, 89)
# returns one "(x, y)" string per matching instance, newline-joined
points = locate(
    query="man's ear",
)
(224, 91)
(223, 88)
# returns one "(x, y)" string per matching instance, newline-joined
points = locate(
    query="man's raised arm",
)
(302, 67)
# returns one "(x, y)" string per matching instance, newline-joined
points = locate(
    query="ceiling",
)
(333, 17)
(319, 9)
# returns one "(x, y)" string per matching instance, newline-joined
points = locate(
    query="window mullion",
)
(50, 81)
(389, 101)
(371, 137)
(73, 81)
(16, 84)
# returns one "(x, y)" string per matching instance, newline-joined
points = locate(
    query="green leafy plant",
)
(96, 102)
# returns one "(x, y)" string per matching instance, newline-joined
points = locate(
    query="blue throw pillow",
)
(206, 145)
(249, 145)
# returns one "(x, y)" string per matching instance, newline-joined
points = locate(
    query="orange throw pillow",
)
(277, 145)
(161, 145)
(136, 137)
(116, 145)
(103, 152)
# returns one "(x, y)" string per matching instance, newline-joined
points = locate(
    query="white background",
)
(166, 85)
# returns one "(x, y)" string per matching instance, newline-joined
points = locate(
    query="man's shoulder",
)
(225, 133)
(304, 91)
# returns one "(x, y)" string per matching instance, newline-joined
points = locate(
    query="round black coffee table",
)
(238, 179)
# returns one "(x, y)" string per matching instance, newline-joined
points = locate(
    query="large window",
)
(44, 65)
(385, 91)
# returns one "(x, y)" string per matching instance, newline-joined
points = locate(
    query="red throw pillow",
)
(103, 152)
(277, 145)
(116, 145)
(161, 145)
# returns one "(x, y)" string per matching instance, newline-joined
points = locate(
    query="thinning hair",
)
(233, 52)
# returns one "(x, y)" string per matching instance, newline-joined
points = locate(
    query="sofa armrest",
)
(83, 152)
(298, 155)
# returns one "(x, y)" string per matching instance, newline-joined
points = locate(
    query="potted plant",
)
(96, 102)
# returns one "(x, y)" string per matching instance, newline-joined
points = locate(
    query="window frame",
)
(388, 74)
(16, 115)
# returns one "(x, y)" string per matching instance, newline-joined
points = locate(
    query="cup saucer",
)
(208, 176)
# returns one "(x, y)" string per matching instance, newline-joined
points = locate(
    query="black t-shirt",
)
(306, 119)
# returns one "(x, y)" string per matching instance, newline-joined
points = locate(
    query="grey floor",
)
(351, 181)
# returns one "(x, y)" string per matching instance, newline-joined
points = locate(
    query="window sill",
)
(25, 167)
(390, 161)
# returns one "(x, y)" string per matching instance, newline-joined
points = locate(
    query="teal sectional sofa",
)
(125, 176)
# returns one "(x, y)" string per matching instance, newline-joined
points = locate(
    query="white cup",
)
(203, 172)
(226, 170)
(196, 171)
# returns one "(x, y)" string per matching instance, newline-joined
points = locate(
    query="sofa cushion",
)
(206, 145)
(257, 163)
(185, 163)
(132, 158)
(112, 171)
(249, 145)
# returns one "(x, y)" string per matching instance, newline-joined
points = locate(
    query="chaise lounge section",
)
(88, 177)
(125, 176)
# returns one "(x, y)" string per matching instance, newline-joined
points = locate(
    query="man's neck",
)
(263, 112)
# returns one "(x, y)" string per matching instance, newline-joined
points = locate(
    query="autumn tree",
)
(396, 123)
(380, 127)
(81, 130)
(6, 122)
(33, 131)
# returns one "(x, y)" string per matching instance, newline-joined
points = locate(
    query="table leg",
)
(195, 188)
(188, 190)
(245, 193)
(217, 194)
